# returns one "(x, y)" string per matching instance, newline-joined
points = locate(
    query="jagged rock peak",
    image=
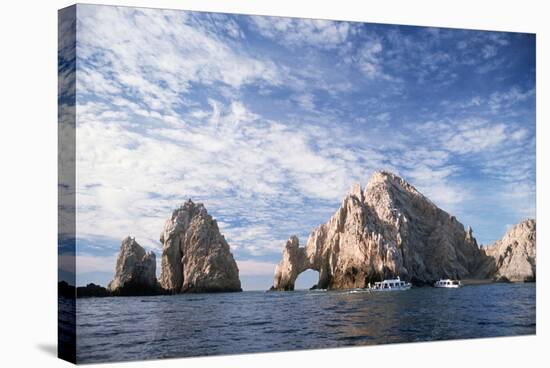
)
(357, 191)
(390, 230)
(525, 229)
(390, 182)
(135, 270)
(292, 242)
(513, 258)
(196, 257)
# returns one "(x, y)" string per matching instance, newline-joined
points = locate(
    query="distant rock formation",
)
(135, 271)
(389, 229)
(92, 290)
(513, 258)
(65, 290)
(195, 256)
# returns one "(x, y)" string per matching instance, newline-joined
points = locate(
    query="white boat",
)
(390, 285)
(448, 283)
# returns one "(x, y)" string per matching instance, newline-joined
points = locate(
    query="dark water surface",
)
(132, 328)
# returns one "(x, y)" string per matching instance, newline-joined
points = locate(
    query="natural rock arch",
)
(390, 229)
(296, 260)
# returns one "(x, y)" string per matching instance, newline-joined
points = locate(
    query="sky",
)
(269, 121)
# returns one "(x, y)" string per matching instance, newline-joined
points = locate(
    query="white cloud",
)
(488, 51)
(164, 114)
(369, 60)
(157, 54)
(302, 32)
(520, 134)
(305, 100)
(476, 139)
(130, 178)
(501, 100)
(467, 136)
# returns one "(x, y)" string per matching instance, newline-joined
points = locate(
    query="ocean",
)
(137, 328)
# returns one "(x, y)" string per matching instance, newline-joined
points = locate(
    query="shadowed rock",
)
(513, 258)
(65, 290)
(92, 290)
(135, 271)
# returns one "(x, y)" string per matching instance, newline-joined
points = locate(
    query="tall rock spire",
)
(196, 257)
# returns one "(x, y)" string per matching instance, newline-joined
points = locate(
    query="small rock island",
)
(196, 258)
(135, 271)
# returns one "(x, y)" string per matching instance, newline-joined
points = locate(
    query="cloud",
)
(156, 55)
(499, 100)
(268, 122)
(476, 139)
(131, 178)
(302, 32)
(467, 136)
(369, 59)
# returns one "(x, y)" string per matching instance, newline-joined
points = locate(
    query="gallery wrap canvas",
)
(235, 184)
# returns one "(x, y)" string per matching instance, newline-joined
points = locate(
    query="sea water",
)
(136, 328)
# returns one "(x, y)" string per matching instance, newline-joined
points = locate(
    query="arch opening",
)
(306, 280)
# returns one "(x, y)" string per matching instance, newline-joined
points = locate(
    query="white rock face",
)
(295, 261)
(135, 270)
(389, 229)
(513, 258)
(195, 256)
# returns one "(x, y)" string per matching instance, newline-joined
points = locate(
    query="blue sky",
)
(269, 121)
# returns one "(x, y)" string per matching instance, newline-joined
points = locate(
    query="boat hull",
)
(448, 287)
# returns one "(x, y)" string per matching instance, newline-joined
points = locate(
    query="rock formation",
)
(195, 256)
(135, 271)
(389, 229)
(513, 258)
(92, 290)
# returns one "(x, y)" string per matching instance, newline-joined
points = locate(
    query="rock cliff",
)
(389, 229)
(195, 256)
(135, 271)
(513, 258)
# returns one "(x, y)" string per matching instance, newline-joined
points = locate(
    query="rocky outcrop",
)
(389, 229)
(135, 271)
(294, 262)
(513, 258)
(92, 290)
(195, 256)
(65, 290)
